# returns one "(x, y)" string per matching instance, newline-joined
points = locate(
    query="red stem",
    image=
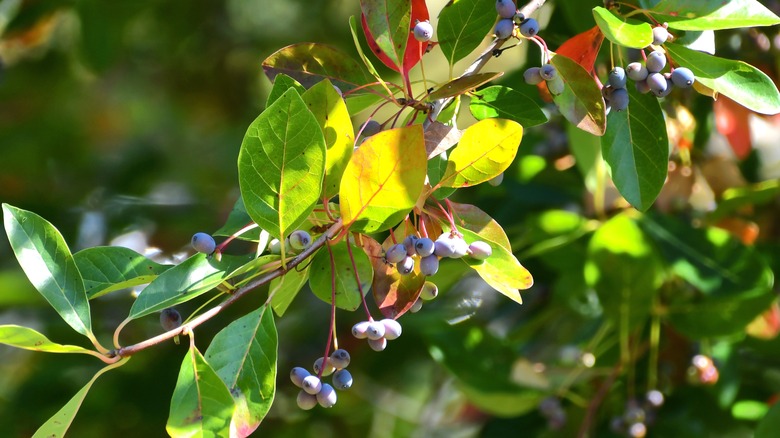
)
(326, 356)
(357, 278)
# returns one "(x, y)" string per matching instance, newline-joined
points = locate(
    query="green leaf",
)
(389, 22)
(282, 83)
(348, 295)
(622, 268)
(486, 149)
(29, 339)
(472, 218)
(192, 278)
(45, 258)
(281, 165)
(331, 113)
(503, 102)
(383, 180)
(463, 84)
(353, 27)
(736, 198)
(743, 83)
(713, 14)
(201, 404)
(58, 424)
(310, 63)
(284, 289)
(238, 219)
(462, 27)
(243, 355)
(437, 166)
(733, 282)
(581, 102)
(634, 34)
(501, 270)
(636, 148)
(770, 424)
(110, 268)
(586, 149)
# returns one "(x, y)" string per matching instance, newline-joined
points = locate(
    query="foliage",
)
(654, 270)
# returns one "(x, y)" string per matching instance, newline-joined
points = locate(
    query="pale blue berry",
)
(505, 8)
(408, 243)
(617, 77)
(392, 328)
(340, 358)
(480, 250)
(683, 77)
(548, 72)
(306, 401)
(660, 35)
(342, 380)
(504, 28)
(327, 396)
(429, 291)
(556, 86)
(297, 375)
(396, 253)
(642, 87)
(300, 240)
(311, 384)
(529, 28)
(376, 330)
(424, 246)
(203, 243)
(636, 71)
(405, 266)
(532, 76)
(360, 329)
(619, 99)
(657, 83)
(371, 127)
(328, 370)
(377, 344)
(656, 61)
(429, 265)
(423, 31)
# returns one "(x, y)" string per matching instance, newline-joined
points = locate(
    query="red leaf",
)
(414, 48)
(731, 120)
(583, 48)
(394, 293)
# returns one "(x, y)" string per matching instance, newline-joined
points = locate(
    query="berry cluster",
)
(313, 391)
(450, 245)
(509, 18)
(377, 332)
(615, 93)
(548, 74)
(637, 417)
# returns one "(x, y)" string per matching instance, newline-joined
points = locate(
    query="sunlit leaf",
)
(348, 292)
(286, 288)
(472, 218)
(462, 27)
(383, 179)
(45, 258)
(29, 339)
(583, 47)
(636, 148)
(394, 293)
(459, 86)
(581, 102)
(629, 33)
(110, 268)
(503, 102)
(282, 83)
(201, 405)
(388, 23)
(243, 355)
(238, 219)
(486, 149)
(713, 14)
(331, 113)
(309, 63)
(440, 138)
(281, 165)
(622, 268)
(743, 83)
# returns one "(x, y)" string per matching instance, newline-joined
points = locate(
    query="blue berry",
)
(660, 35)
(340, 358)
(300, 240)
(642, 87)
(376, 330)
(396, 253)
(424, 246)
(204, 243)
(392, 328)
(529, 28)
(342, 380)
(480, 250)
(505, 8)
(532, 76)
(297, 375)
(636, 71)
(617, 77)
(656, 61)
(409, 244)
(360, 329)
(657, 83)
(311, 384)
(667, 90)
(329, 367)
(429, 291)
(504, 28)
(618, 100)
(423, 31)
(377, 344)
(327, 396)
(405, 266)
(370, 128)
(429, 265)
(683, 77)
(548, 72)
(306, 401)
(170, 319)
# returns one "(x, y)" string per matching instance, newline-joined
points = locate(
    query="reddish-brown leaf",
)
(583, 48)
(732, 120)
(414, 48)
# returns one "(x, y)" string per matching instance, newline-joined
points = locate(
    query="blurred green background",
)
(127, 116)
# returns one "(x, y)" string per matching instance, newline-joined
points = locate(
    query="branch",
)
(235, 296)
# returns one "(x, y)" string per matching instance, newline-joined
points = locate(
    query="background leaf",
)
(581, 102)
(45, 258)
(29, 339)
(712, 14)
(310, 63)
(110, 268)
(505, 103)
(769, 425)
(635, 34)
(281, 165)
(243, 355)
(743, 83)
(636, 148)
(463, 25)
(348, 295)
(486, 149)
(383, 179)
(331, 113)
(201, 404)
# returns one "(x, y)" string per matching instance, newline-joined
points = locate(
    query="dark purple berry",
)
(170, 319)
(617, 77)
(548, 72)
(619, 99)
